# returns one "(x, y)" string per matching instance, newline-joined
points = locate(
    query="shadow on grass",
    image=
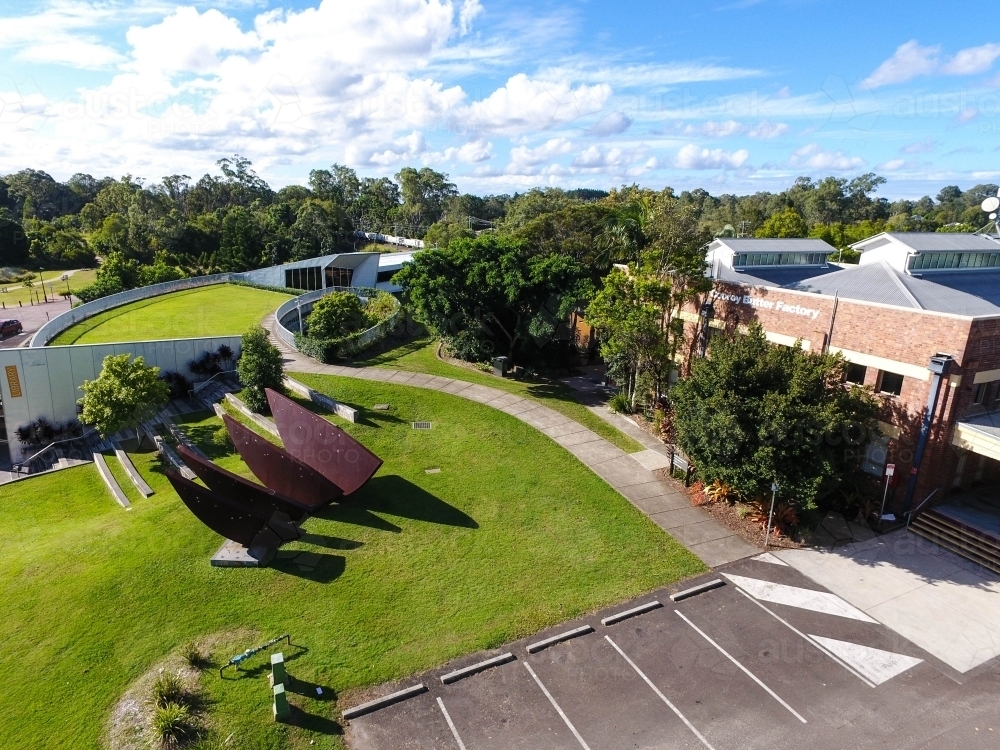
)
(264, 666)
(366, 416)
(399, 497)
(331, 542)
(346, 513)
(325, 569)
(314, 723)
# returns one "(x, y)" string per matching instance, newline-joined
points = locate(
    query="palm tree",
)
(624, 234)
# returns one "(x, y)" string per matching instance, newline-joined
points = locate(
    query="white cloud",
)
(612, 124)
(912, 60)
(909, 61)
(814, 157)
(927, 145)
(522, 156)
(765, 130)
(972, 60)
(62, 34)
(647, 76)
(893, 165)
(526, 105)
(695, 157)
(595, 157)
(470, 9)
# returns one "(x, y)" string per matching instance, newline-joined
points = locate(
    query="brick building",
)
(918, 320)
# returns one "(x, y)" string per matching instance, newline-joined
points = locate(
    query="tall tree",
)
(259, 367)
(123, 395)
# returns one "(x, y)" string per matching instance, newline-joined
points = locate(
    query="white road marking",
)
(746, 671)
(769, 558)
(793, 596)
(661, 695)
(555, 705)
(799, 633)
(451, 725)
(877, 665)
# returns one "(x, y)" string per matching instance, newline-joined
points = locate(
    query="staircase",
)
(213, 391)
(964, 540)
(65, 453)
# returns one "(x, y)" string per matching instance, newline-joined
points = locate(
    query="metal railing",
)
(911, 513)
(202, 384)
(87, 434)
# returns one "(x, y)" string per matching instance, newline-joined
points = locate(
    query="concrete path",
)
(665, 502)
(943, 603)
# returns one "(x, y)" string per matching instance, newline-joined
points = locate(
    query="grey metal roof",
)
(731, 275)
(930, 241)
(988, 423)
(982, 283)
(776, 245)
(882, 284)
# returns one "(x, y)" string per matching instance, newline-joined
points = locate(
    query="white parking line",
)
(799, 633)
(746, 671)
(555, 705)
(451, 725)
(663, 698)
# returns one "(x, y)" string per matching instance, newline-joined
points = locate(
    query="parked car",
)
(10, 328)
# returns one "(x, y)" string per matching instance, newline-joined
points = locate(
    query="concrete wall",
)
(365, 267)
(50, 377)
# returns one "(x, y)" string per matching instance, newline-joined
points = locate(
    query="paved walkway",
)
(665, 502)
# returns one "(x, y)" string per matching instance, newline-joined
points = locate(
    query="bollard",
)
(282, 711)
(278, 674)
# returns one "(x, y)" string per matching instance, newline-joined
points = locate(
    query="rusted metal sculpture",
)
(250, 527)
(279, 470)
(322, 445)
(241, 491)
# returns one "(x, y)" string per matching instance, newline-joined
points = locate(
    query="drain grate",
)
(421, 425)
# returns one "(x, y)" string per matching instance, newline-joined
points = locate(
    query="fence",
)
(290, 311)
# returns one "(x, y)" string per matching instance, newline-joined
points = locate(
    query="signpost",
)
(770, 516)
(890, 469)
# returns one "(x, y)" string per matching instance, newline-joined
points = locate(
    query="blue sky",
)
(730, 96)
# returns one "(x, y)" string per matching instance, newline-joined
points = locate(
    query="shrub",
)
(259, 367)
(173, 725)
(380, 307)
(335, 316)
(179, 385)
(221, 438)
(191, 653)
(720, 492)
(620, 403)
(168, 690)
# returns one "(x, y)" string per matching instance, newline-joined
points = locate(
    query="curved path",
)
(665, 502)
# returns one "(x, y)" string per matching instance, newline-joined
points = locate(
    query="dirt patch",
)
(129, 724)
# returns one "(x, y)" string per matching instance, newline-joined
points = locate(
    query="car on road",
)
(10, 328)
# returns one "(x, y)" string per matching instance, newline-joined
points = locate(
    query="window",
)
(932, 261)
(890, 383)
(309, 279)
(384, 276)
(979, 394)
(339, 276)
(856, 373)
(741, 260)
(876, 455)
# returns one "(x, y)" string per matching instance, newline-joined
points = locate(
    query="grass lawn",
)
(420, 355)
(16, 292)
(413, 570)
(218, 310)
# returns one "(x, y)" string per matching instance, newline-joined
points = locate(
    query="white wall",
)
(51, 376)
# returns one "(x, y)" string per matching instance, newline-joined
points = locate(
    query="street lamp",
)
(770, 516)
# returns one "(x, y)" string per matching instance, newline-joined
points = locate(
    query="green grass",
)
(218, 310)
(414, 570)
(16, 292)
(420, 355)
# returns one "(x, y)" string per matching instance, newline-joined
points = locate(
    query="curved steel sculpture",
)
(278, 470)
(242, 491)
(220, 514)
(322, 445)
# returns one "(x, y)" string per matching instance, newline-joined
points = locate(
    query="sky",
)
(733, 96)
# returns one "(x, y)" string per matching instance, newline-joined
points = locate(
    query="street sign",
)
(890, 469)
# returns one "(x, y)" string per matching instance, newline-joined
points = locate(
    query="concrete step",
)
(961, 546)
(957, 530)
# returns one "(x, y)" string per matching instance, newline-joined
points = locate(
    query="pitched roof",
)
(881, 283)
(944, 241)
(776, 245)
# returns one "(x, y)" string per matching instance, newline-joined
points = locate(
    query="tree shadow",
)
(313, 566)
(399, 497)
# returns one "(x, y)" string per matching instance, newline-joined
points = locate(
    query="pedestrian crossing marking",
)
(769, 558)
(874, 663)
(793, 596)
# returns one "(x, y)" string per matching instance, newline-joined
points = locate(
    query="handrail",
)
(202, 384)
(82, 436)
(911, 513)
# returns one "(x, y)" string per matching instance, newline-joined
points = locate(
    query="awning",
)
(980, 435)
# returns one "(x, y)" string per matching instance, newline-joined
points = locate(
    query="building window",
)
(890, 383)
(979, 394)
(932, 261)
(310, 278)
(742, 260)
(386, 276)
(856, 373)
(876, 455)
(339, 276)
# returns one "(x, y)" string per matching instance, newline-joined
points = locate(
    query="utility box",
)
(500, 366)
(278, 674)
(282, 711)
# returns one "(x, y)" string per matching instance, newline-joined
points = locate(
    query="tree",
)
(486, 294)
(241, 247)
(753, 413)
(336, 315)
(789, 223)
(424, 194)
(631, 314)
(14, 244)
(116, 274)
(259, 367)
(339, 184)
(443, 233)
(123, 395)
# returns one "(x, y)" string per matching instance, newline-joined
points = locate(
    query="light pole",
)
(770, 516)
(890, 469)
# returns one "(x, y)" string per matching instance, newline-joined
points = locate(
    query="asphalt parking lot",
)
(768, 660)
